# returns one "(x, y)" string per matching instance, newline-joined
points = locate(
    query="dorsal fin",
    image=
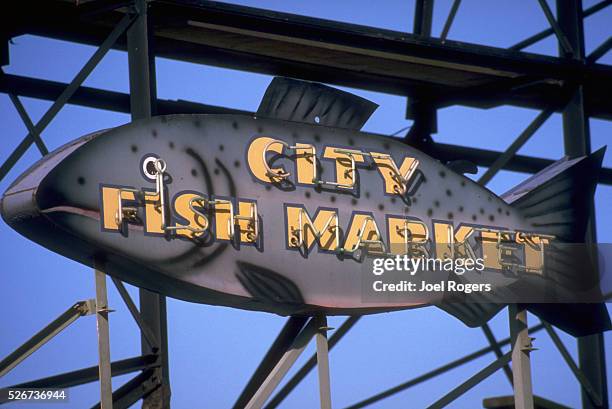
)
(303, 101)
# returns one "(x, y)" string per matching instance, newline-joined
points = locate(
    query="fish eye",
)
(149, 169)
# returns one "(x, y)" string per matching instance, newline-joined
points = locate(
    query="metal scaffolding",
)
(263, 41)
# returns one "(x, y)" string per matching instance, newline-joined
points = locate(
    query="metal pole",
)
(323, 362)
(577, 141)
(521, 362)
(104, 363)
(142, 96)
(419, 108)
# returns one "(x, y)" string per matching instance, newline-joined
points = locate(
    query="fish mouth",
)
(19, 202)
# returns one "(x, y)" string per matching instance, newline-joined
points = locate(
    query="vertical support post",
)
(323, 361)
(419, 107)
(521, 362)
(577, 142)
(142, 98)
(104, 361)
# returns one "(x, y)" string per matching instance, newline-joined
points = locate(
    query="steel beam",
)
(44, 335)
(281, 344)
(436, 372)
(310, 364)
(120, 102)
(419, 105)
(104, 359)
(323, 361)
(90, 374)
(471, 382)
(102, 99)
(521, 362)
(65, 95)
(141, 62)
(577, 142)
(273, 43)
(423, 17)
(284, 364)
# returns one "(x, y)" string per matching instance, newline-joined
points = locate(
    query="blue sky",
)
(214, 350)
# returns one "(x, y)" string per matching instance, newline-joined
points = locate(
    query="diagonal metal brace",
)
(567, 47)
(505, 157)
(43, 336)
(496, 349)
(588, 387)
(433, 373)
(310, 364)
(27, 141)
(471, 382)
(600, 51)
(284, 364)
(42, 148)
(281, 344)
(450, 19)
(144, 327)
(549, 31)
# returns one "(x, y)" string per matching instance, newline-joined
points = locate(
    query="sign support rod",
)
(521, 362)
(323, 361)
(104, 363)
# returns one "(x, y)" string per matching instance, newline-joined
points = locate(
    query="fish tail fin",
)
(557, 201)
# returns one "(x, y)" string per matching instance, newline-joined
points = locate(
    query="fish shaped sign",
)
(296, 211)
